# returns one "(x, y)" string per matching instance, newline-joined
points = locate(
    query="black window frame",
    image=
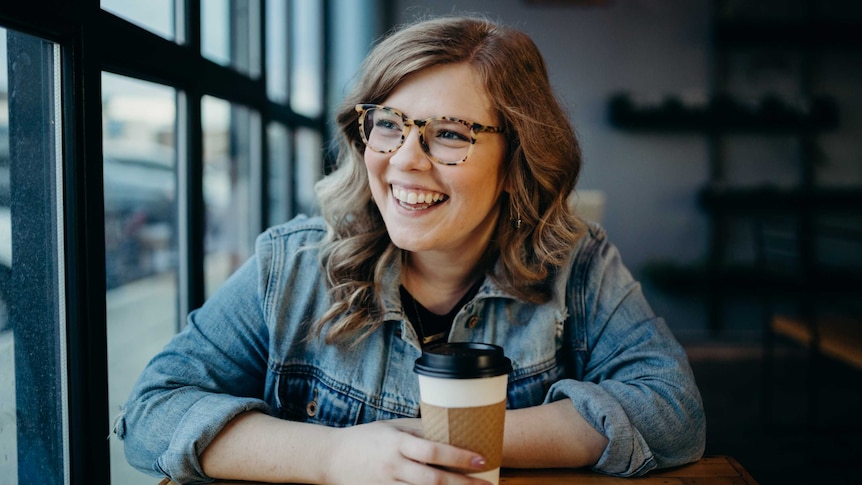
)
(93, 41)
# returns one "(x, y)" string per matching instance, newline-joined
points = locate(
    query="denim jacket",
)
(597, 343)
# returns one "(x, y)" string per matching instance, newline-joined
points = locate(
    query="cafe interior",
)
(722, 148)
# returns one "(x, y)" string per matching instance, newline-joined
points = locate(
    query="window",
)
(142, 149)
(230, 160)
(141, 236)
(32, 336)
(156, 16)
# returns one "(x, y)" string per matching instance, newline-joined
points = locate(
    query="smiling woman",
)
(446, 218)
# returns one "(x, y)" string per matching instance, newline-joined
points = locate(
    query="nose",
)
(411, 156)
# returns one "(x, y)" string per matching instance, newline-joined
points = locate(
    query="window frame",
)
(92, 41)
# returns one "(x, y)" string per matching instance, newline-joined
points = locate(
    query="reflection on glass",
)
(8, 424)
(280, 186)
(309, 168)
(276, 50)
(157, 16)
(33, 397)
(229, 34)
(229, 132)
(306, 54)
(215, 41)
(140, 236)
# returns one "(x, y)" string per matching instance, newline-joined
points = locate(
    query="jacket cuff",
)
(627, 453)
(197, 429)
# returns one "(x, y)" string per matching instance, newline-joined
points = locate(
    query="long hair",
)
(536, 229)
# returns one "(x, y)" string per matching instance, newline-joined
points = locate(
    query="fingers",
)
(408, 425)
(417, 473)
(424, 451)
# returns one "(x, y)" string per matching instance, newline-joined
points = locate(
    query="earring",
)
(517, 219)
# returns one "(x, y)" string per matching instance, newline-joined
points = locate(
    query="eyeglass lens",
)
(446, 141)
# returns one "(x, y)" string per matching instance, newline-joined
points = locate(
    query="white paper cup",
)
(463, 391)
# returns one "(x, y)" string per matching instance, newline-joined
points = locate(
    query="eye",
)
(387, 124)
(449, 132)
(385, 121)
(452, 135)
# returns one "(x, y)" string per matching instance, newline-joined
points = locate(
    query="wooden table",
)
(710, 470)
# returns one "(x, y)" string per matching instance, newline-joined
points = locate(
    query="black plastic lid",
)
(463, 360)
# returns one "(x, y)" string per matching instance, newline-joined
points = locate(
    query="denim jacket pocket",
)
(307, 394)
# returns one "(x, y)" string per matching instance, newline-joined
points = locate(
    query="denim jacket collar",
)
(391, 300)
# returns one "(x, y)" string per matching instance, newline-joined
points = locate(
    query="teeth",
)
(412, 197)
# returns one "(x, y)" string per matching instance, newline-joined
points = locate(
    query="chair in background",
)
(811, 288)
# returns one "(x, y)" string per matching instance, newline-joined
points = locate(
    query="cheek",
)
(375, 166)
(375, 163)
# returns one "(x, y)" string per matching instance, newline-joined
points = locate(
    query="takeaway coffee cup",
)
(462, 386)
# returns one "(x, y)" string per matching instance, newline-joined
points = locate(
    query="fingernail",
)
(478, 462)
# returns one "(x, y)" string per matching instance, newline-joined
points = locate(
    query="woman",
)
(446, 219)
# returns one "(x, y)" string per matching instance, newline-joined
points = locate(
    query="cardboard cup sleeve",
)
(478, 429)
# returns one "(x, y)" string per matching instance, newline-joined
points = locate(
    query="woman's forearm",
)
(255, 446)
(258, 447)
(550, 435)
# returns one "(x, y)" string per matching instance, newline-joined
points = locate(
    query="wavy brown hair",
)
(541, 169)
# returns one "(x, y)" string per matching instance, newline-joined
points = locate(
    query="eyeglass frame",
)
(475, 129)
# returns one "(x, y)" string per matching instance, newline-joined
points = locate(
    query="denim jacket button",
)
(474, 320)
(311, 407)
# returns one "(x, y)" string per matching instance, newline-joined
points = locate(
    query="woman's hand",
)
(389, 452)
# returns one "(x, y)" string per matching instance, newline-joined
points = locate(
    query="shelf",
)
(764, 200)
(821, 219)
(750, 280)
(723, 113)
(791, 34)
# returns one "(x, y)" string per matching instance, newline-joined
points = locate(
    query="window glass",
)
(215, 31)
(230, 34)
(355, 26)
(33, 411)
(231, 212)
(157, 16)
(8, 427)
(309, 168)
(306, 57)
(280, 185)
(276, 50)
(140, 236)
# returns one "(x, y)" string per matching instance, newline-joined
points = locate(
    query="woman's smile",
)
(417, 199)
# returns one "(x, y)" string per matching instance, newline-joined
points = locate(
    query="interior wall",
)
(653, 49)
(648, 48)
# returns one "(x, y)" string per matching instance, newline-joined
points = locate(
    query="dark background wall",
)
(652, 178)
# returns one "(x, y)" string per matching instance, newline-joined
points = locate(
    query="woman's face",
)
(461, 221)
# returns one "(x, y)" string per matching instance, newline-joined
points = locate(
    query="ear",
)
(509, 185)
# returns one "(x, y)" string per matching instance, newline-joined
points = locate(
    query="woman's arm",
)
(255, 446)
(552, 435)
(629, 378)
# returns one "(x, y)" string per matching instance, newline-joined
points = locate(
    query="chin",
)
(407, 244)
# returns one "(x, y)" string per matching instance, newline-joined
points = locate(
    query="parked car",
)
(140, 212)
(140, 216)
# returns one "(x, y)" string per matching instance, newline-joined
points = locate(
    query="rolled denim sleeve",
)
(633, 382)
(208, 374)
